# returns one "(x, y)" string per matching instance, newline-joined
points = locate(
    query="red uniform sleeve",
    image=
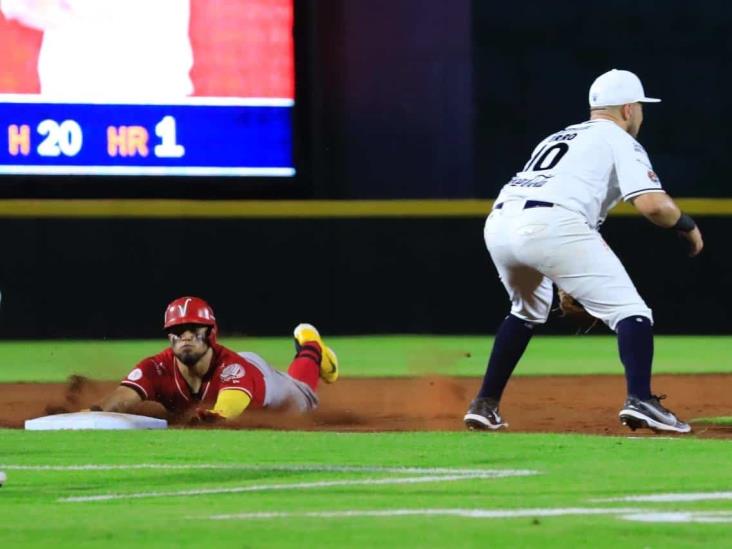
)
(144, 379)
(235, 376)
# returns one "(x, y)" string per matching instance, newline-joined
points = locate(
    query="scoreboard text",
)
(70, 138)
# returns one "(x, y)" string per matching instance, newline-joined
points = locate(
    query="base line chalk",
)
(485, 474)
(670, 497)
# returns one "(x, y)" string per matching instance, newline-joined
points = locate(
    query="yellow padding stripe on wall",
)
(222, 209)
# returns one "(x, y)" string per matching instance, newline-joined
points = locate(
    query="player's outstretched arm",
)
(230, 403)
(122, 399)
(660, 209)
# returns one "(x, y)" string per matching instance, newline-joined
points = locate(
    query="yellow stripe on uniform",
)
(230, 403)
(302, 209)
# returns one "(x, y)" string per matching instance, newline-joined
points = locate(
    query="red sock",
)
(306, 365)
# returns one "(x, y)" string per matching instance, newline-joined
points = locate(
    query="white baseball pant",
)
(531, 248)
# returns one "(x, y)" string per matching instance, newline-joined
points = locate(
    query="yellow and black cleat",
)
(305, 333)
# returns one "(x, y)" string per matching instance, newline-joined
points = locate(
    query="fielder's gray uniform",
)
(543, 227)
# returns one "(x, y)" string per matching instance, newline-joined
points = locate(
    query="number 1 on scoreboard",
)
(166, 131)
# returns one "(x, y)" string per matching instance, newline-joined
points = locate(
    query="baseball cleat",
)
(483, 415)
(305, 333)
(650, 414)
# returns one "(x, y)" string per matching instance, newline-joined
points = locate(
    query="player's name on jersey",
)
(562, 136)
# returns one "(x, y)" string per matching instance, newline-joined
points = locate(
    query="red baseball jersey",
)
(158, 378)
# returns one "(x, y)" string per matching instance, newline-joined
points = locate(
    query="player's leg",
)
(531, 297)
(282, 391)
(292, 394)
(511, 340)
(641, 407)
(305, 366)
(585, 267)
(309, 342)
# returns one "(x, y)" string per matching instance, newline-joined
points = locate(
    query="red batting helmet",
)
(191, 310)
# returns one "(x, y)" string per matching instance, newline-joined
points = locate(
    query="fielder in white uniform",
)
(543, 231)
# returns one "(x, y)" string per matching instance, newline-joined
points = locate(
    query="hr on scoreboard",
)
(66, 138)
(251, 137)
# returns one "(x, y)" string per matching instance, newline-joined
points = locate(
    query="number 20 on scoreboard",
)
(67, 139)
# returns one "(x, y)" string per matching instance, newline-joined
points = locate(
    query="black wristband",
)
(685, 224)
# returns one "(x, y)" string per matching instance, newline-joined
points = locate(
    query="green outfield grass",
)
(294, 477)
(374, 356)
(258, 488)
(724, 420)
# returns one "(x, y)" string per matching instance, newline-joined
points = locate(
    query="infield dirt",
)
(556, 404)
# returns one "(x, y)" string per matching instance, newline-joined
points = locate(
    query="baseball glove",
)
(573, 310)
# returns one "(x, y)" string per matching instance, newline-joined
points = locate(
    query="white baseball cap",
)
(618, 87)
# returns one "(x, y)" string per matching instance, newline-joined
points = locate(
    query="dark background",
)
(399, 99)
(534, 63)
(113, 278)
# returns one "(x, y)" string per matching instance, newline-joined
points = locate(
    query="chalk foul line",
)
(457, 475)
(670, 497)
(632, 514)
(466, 513)
(418, 475)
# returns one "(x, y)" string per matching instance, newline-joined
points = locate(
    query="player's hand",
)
(92, 408)
(694, 239)
(208, 416)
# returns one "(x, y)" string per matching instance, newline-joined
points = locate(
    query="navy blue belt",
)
(529, 204)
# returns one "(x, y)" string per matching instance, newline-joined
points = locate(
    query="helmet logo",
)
(184, 308)
(190, 310)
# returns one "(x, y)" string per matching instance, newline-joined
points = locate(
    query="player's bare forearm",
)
(122, 399)
(660, 209)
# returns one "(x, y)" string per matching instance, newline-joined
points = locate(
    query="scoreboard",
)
(147, 87)
(198, 136)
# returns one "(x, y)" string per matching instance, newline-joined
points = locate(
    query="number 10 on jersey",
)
(549, 155)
